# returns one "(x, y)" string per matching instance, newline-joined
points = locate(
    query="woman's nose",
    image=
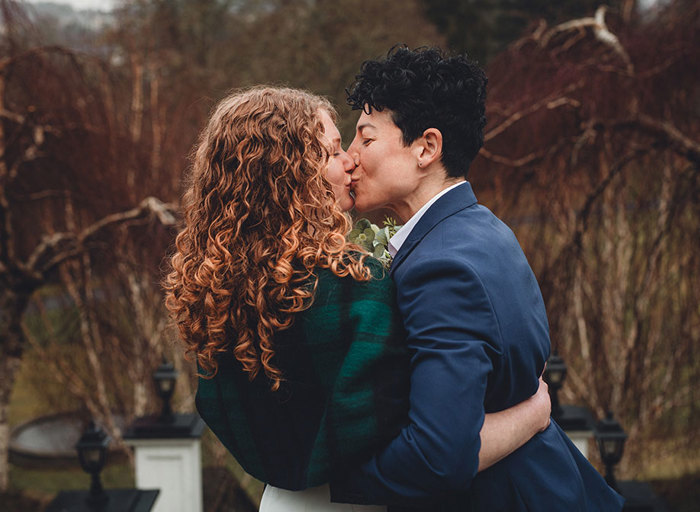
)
(348, 162)
(354, 153)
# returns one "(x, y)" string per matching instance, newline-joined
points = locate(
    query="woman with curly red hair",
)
(303, 370)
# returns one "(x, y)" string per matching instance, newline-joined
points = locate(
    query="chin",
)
(346, 203)
(362, 208)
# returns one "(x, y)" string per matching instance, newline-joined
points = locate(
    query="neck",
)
(429, 188)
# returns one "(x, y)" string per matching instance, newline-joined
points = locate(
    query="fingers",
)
(543, 393)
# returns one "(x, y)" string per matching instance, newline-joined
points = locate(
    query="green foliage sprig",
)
(374, 239)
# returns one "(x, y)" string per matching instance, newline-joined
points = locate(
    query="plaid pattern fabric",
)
(345, 394)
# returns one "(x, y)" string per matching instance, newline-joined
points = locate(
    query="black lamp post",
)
(167, 425)
(164, 378)
(554, 375)
(611, 441)
(92, 452)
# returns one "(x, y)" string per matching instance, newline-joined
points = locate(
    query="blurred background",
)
(592, 156)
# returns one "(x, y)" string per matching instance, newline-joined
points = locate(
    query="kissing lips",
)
(352, 186)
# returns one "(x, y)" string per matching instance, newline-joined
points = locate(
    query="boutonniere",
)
(373, 238)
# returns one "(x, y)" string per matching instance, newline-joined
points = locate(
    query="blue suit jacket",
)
(479, 338)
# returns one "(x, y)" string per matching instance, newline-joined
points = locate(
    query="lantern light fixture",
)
(611, 442)
(165, 378)
(92, 454)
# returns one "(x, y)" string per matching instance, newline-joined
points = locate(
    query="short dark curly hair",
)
(424, 88)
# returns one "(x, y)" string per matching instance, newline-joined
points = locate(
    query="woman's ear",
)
(429, 147)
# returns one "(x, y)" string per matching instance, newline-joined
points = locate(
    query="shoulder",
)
(435, 283)
(432, 267)
(478, 225)
(379, 275)
(331, 288)
(346, 309)
(471, 241)
(377, 268)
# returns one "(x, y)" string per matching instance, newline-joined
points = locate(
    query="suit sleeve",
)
(454, 339)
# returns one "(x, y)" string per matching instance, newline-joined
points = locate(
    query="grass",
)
(24, 403)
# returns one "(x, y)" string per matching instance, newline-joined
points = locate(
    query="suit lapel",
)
(453, 201)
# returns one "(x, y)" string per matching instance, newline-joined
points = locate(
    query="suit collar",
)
(453, 201)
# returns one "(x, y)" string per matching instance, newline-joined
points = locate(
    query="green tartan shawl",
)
(345, 393)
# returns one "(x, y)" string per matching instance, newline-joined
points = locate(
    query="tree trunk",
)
(8, 369)
(12, 343)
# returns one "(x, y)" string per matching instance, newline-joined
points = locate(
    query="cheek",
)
(336, 177)
(335, 174)
(338, 191)
(376, 160)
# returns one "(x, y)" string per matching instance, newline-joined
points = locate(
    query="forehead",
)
(376, 120)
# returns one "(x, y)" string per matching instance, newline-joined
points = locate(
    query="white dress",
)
(315, 499)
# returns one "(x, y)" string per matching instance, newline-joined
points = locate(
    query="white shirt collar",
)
(401, 235)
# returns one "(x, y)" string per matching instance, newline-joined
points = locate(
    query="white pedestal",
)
(581, 439)
(577, 423)
(175, 467)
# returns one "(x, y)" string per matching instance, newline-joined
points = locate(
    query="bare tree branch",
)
(56, 248)
(600, 30)
(664, 131)
(558, 100)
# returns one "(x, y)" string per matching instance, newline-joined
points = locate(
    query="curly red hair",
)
(259, 218)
